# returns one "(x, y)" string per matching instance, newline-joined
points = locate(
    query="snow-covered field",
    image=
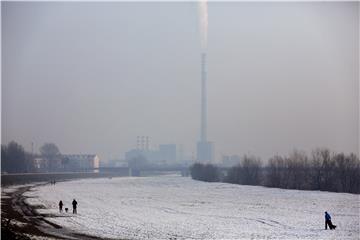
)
(166, 207)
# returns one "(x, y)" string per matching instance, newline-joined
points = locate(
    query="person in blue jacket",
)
(328, 221)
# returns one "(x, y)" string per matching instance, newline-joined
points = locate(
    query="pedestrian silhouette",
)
(60, 206)
(74, 204)
(328, 222)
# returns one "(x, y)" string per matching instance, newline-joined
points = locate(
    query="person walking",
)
(328, 222)
(60, 206)
(74, 204)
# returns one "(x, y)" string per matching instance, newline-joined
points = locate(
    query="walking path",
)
(19, 220)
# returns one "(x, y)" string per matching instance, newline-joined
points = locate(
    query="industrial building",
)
(165, 154)
(80, 162)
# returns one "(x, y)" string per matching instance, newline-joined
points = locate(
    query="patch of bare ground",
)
(20, 220)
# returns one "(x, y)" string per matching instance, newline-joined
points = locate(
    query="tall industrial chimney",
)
(203, 98)
(205, 149)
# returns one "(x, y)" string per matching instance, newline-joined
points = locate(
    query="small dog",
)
(66, 209)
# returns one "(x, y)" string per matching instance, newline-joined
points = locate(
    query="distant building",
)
(135, 153)
(114, 163)
(205, 151)
(167, 153)
(230, 161)
(80, 162)
(40, 164)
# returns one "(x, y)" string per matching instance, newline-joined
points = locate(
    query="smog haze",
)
(91, 77)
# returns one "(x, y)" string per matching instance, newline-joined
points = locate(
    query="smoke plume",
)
(203, 15)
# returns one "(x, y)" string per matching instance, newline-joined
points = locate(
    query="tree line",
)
(322, 170)
(14, 158)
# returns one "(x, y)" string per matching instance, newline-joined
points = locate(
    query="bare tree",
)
(51, 153)
(13, 158)
(205, 172)
(298, 171)
(251, 170)
(317, 172)
(248, 172)
(346, 175)
(354, 174)
(275, 172)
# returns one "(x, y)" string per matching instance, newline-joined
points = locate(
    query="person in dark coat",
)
(74, 204)
(328, 221)
(60, 206)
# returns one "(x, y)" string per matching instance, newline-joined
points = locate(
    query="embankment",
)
(25, 178)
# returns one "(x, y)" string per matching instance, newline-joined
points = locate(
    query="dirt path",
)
(20, 220)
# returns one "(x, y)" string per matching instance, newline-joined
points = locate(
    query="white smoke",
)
(203, 15)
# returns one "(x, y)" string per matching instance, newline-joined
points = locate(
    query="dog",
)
(66, 209)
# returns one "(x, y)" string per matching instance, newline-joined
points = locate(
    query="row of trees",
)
(205, 172)
(249, 172)
(322, 170)
(14, 158)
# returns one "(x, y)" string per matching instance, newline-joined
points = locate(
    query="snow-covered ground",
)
(166, 207)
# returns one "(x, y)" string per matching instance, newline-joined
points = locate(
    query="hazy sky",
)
(90, 77)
